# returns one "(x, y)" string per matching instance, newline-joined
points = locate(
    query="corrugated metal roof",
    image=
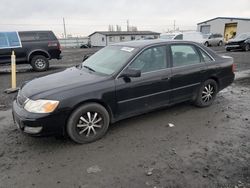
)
(115, 33)
(228, 18)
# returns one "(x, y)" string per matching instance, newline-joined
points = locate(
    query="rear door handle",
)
(165, 78)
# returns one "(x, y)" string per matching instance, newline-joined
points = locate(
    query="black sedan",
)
(241, 42)
(117, 82)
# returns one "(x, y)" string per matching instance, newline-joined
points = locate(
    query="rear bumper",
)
(59, 57)
(38, 124)
(226, 81)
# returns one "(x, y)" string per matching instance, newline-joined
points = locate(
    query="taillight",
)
(59, 46)
(53, 44)
(233, 67)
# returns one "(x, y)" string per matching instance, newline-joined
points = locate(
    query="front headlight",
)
(40, 106)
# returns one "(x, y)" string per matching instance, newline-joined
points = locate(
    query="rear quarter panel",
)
(221, 70)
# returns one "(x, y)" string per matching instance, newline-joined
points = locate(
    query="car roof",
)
(178, 33)
(42, 31)
(145, 43)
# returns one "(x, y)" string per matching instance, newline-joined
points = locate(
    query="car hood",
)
(58, 82)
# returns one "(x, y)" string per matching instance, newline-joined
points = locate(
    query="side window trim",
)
(147, 48)
(167, 59)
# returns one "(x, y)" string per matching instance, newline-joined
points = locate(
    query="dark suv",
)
(38, 47)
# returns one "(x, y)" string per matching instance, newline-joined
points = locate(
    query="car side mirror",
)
(128, 73)
(85, 57)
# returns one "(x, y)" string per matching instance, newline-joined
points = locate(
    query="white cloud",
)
(84, 17)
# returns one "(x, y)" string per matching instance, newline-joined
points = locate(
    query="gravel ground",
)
(208, 147)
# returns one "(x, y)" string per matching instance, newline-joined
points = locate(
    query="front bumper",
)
(39, 124)
(233, 46)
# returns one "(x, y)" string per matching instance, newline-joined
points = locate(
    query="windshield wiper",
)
(87, 67)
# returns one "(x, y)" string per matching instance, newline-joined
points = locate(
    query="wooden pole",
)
(13, 70)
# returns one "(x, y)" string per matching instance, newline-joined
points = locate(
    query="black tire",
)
(39, 63)
(228, 50)
(82, 129)
(247, 47)
(207, 93)
(220, 43)
(206, 44)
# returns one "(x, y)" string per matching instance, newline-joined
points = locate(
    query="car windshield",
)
(109, 59)
(169, 37)
(243, 36)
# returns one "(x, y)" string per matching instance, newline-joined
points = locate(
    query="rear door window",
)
(30, 36)
(184, 55)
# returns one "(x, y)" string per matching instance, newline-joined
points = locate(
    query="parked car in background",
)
(195, 37)
(38, 47)
(187, 36)
(213, 40)
(171, 36)
(117, 82)
(241, 41)
(85, 46)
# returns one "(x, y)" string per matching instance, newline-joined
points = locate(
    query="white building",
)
(73, 42)
(227, 26)
(104, 38)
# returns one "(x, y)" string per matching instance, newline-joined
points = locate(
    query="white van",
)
(188, 36)
(171, 36)
(195, 37)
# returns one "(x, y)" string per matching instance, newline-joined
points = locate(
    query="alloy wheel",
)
(247, 47)
(208, 93)
(89, 124)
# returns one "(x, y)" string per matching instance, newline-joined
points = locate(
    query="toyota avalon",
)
(120, 81)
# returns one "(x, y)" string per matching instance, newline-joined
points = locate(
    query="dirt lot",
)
(208, 147)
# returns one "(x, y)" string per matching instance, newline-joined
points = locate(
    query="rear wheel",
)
(206, 44)
(88, 123)
(207, 93)
(39, 63)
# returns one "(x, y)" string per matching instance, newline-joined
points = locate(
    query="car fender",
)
(247, 41)
(37, 50)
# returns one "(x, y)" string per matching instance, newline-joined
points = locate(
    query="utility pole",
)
(65, 35)
(127, 25)
(174, 25)
(64, 27)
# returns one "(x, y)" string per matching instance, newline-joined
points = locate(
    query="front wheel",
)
(220, 43)
(206, 44)
(207, 93)
(247, 47)
(88, 123)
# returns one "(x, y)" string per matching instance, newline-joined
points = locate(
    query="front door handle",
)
(202, 70)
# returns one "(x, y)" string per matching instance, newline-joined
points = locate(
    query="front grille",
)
(21, 99)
